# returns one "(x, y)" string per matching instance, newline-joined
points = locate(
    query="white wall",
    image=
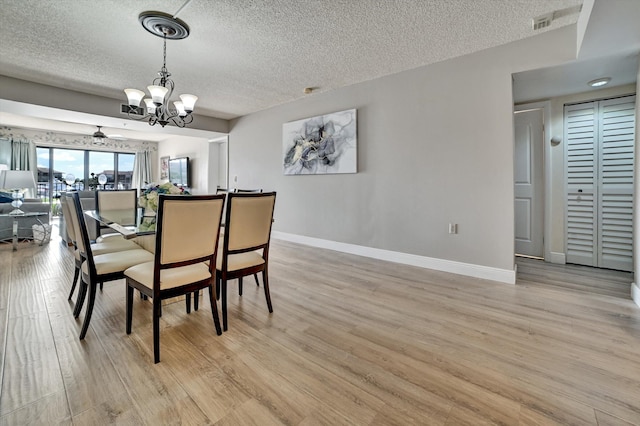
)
(435, 145)
(212, 169)
(198, 152)
(39, 94)
(218, 164)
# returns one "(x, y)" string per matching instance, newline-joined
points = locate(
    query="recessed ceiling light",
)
(599, 82)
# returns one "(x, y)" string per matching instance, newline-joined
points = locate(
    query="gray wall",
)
(54, 97)
(435, 145)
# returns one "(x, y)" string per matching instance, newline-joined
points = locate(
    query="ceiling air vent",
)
(542, 21)
(126, 109)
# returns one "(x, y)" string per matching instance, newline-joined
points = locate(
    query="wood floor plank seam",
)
(5, 331)
(41, 280)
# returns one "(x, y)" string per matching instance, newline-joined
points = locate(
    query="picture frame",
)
(324, 144)
(164, 167)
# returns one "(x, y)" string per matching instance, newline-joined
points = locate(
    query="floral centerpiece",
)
(149, 197)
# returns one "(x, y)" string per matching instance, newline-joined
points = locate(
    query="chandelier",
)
(157, 109)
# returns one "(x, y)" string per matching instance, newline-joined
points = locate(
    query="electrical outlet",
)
(453, 228)
(235, 179)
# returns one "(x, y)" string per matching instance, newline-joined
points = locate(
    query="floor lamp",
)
(17, 181)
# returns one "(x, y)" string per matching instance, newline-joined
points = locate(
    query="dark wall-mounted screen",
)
(179, 171)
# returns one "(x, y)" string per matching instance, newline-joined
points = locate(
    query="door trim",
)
(546, 174)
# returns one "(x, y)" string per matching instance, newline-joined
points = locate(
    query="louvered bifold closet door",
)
(581, 166)
(599, 159)
(615, 193)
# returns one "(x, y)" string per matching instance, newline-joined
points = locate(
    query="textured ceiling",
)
(246, 55)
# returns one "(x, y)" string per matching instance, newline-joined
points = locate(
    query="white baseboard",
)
(635, 293)
(478, 271)
(558, 258)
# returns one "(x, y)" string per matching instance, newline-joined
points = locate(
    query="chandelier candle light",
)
(158, 110)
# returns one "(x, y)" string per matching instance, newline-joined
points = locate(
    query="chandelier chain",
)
(164, 53)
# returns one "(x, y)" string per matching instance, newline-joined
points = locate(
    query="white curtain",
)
(23, 155)
(5, 151)
(142, 169)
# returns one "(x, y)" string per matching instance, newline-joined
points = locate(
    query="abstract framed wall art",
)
(325, 144)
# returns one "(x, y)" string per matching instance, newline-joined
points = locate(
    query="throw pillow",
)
(5, 197)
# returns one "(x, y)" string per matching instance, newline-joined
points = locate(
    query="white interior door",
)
(529, 189)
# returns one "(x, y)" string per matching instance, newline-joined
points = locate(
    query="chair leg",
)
(265, 280)
(196, 300)
(240, 286)
(214, 311)
(82, 294)
(76, 274)
(187, 299)
(224, 304)
(157, 305)
(101, 285)
(218, 287)
(87, 314)
(256, 277)
(129, 307)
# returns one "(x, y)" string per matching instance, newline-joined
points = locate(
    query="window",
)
(101, 163)
(125, 170)
(55, 164)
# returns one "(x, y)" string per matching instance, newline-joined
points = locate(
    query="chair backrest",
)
(116, 199)
(187, 229)
(247, 190)
(68, 218)
(80, 228)
(248, 221)
(122, 199)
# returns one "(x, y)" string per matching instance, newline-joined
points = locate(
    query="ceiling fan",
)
(99, 138)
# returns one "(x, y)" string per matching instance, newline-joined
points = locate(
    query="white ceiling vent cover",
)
(542, 21)
(124, 109)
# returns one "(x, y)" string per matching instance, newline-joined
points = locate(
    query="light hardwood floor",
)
(351, 341)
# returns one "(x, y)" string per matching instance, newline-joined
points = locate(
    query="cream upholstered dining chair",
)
(97, 268)
(247, 190)
(187, 230)
(245, 246)
(255, 276)
(108, 246)
(121, 199)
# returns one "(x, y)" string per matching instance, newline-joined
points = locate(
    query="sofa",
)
(25, 224)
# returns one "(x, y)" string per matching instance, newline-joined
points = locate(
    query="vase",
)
(149, 213)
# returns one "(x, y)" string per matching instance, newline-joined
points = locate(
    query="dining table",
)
(136, 223)
(131, 223)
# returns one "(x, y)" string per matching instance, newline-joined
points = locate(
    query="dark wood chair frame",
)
(157, 294)
(66, 216)
(223, 275)
(93, 279)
